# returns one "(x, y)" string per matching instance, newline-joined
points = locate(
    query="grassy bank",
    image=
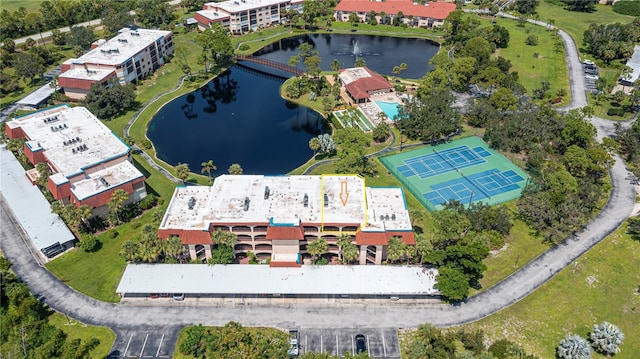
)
(600, 286)
(76, 330)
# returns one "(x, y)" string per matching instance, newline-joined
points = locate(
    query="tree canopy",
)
(109, 101)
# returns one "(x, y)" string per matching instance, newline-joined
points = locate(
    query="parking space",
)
(381, 343)
(156, 342)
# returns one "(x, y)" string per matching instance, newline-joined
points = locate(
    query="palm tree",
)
(606, 338)
(173, 246)
(314, 145)
(396, 249)
(574, 347)
(396, 70)
(182, 171)
(235, 169)
(403, 67)
(85, 212)
(224, 238)
(129, 250)
(115, 202)
(317, 247)
(207, 167)
(70, 215)
(348, 251)
(335, 65)
(360, 62)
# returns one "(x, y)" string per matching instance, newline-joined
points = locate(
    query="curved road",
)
(66, 300)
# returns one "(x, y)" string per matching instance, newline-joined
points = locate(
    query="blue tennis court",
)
(444, 161)
(474, 187)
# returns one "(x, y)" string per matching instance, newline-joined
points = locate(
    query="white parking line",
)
(127, 348)
(368, 347)
(384, 348)
(144, 344)
(306, 346)
(321, 344)
(353, 346)
(337, 346)
(160, 346)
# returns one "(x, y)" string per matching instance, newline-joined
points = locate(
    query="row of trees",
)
(60, 13)
(25, 331)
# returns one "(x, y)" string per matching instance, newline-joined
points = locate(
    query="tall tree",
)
(182, 171)
(110, 101)
(429, 117)
(216, 42)
(115, 203)
(314, 145)
(317, 247)
(208, 167)
(235, 169)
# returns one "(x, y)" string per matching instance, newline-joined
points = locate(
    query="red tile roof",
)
(434, 10)
(285, 232)
(359, 89)
(284, 264)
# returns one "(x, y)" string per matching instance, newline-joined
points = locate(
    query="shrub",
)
(244, 47)
(321, 261)
(112, 233)
(88, 243)
(627, 8)
(555, 100)
(146, 144)
(135, 224)
(615, 112)
(532, 40)
(148, 202)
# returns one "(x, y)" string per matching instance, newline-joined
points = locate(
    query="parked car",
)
(178, 296)
(361, 344)
(293, 343)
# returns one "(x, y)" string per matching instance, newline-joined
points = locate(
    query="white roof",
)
(38, 96)
(92, 74)
(352, 74)
(213, 14)
(634, 63)
(224, 202)
(61, 130)
(122, 47)
(387, 209)
(103, 180)
(233, 6)
(29, 205)
(262, 279)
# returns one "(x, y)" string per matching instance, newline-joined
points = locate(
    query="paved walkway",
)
(394, 314)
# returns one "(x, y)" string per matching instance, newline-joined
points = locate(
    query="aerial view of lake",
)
(240, 117)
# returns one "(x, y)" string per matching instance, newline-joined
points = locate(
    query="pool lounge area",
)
(389, 108)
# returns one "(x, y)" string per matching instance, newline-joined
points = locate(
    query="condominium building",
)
(276, 217)
(431, 14)
(129, 56)
(241, 16)
(87, 161)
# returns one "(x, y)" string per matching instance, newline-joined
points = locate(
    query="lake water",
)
(240, 117)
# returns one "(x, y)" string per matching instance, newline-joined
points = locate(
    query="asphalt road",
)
(136, 320)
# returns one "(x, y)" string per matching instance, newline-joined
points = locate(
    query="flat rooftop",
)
(72, 138)
(233, 6)
(125, 45)
(262, 279)
(213, 15)
(106, 179)
(244, 199)
(387, 209)
(634, 64)
(352, 74)
(28, 204)
(86, 74)
(37, 97)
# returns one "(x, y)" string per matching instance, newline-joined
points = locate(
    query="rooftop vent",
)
(122, 40)
(104, 182)
(246, 203)
(305, 200)
(53, 128)
(381, 217)
(73, 150)
(65, 126)
(192, 203)
(267, 192)
(393, 216)
(326, 200)
(386, 218)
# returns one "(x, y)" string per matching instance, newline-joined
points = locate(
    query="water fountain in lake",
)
(356, 48)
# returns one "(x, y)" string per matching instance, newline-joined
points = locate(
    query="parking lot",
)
(381, 343)
(157, 342)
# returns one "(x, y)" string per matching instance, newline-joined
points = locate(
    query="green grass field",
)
(602, 285)
(548, 66)
(13, 5)
(76, 330)
(576, 23)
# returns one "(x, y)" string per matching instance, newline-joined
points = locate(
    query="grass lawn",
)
(76, 330)
(548, 66)
(13, 5)
(601, 285)
(576, 23)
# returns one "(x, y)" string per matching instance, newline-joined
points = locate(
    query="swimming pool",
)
(390, 108)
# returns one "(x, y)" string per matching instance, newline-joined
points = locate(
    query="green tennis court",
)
(465, 170)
